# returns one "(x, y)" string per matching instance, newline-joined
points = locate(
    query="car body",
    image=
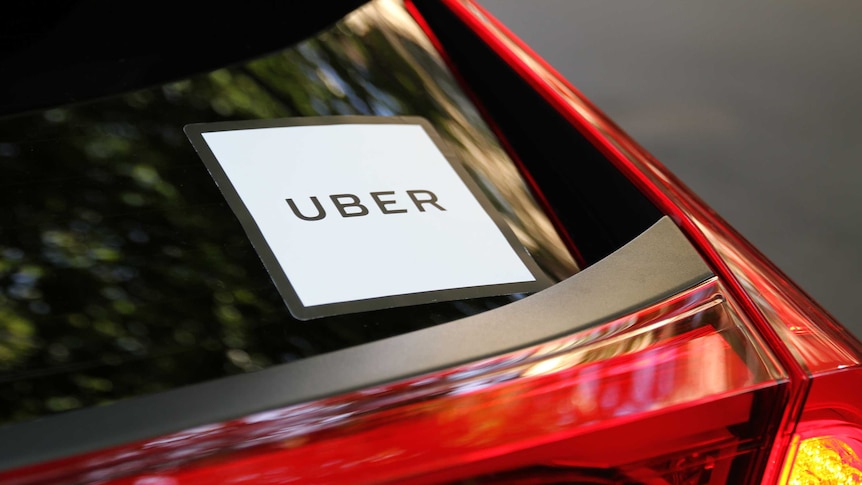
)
(654, 344)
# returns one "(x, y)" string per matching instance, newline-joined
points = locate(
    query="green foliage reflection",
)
(122, 270)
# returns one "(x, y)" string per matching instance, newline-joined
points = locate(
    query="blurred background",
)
(757, 106)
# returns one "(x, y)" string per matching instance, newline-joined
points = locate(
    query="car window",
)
(124, 272)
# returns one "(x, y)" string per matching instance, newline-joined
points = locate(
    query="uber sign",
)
(356, 213)
(359, 209)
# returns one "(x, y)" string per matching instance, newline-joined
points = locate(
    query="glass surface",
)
(124, 272)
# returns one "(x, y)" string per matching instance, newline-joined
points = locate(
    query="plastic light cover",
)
(824, 461)
(680, 392)
(822, 360)
(824, 452)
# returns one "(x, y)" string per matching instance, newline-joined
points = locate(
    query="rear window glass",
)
(123, 271)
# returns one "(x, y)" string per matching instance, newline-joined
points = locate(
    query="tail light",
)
(680, 392)
(822, 360)
(739, 379)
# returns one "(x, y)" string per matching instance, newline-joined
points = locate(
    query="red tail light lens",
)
(821, 358)
(652, 397)
(680, 392)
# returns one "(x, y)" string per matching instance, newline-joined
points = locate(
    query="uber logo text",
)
(349, 205)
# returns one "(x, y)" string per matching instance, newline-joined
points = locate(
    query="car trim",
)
(657, 264)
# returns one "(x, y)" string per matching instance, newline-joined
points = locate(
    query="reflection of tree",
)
(123, 272)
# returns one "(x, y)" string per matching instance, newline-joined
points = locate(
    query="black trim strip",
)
(657, 264)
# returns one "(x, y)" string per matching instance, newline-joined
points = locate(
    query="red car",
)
(375, 242)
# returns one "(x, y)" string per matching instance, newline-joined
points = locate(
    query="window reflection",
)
(123, 271)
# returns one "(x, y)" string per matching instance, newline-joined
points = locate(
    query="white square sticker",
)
(362, 213)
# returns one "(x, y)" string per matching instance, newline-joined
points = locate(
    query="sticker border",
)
(195, 132)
